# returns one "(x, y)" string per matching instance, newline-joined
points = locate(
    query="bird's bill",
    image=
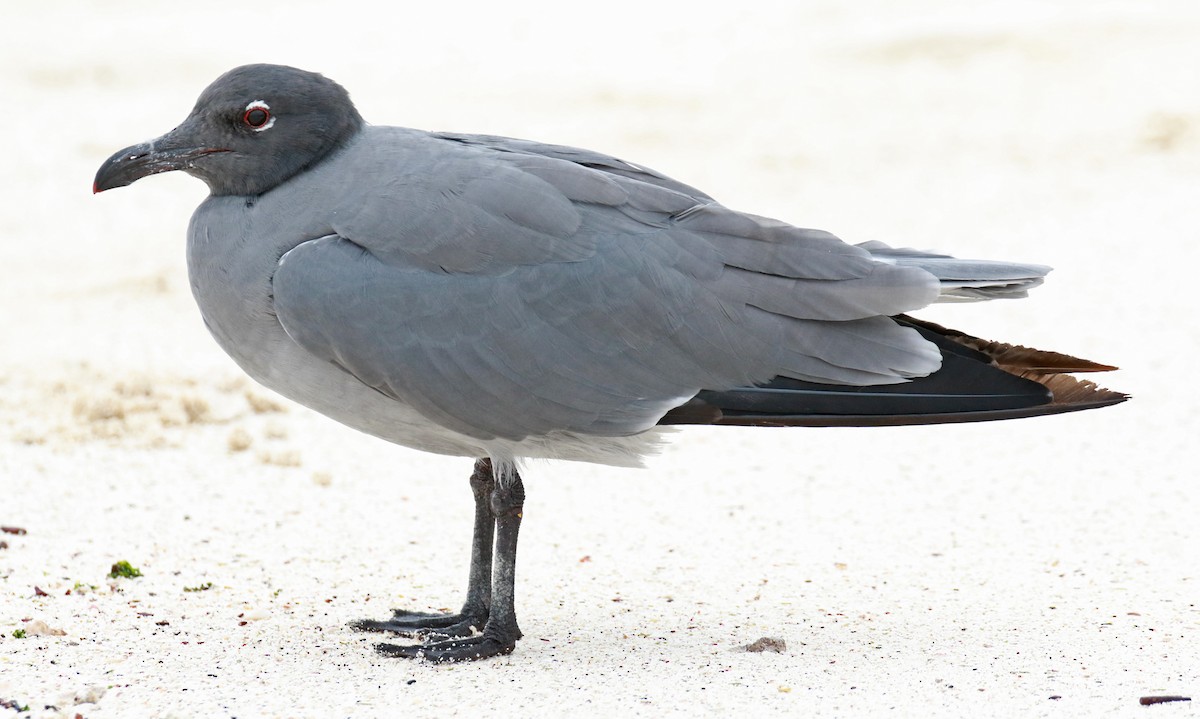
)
(133, 163)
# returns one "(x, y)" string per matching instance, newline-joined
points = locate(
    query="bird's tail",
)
(965, 280)
(978, 381)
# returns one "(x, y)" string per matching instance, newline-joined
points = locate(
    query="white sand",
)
(1046, 567)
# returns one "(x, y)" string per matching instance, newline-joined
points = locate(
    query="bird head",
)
(252, 129)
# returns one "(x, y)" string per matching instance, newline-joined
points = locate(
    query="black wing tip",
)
(749, 419)
(979, 381)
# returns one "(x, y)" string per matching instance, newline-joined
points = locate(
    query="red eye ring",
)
(256, 117)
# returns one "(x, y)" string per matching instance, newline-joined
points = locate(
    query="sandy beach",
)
(1044, 567)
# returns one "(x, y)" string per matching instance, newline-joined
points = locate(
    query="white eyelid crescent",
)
(261, 105)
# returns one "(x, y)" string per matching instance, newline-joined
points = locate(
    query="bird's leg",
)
(501, 632)
(474, 613)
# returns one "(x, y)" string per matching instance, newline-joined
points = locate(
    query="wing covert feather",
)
(508, 289)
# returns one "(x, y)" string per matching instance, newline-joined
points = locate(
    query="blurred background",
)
(1064, 133)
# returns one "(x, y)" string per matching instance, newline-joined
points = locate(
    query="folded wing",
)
(508, 289)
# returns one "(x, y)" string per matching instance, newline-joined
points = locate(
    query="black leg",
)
(474, 614)
(501, 632)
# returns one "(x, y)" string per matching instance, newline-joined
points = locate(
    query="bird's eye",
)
(257, 116)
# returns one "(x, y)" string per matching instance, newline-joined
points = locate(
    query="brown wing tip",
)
(1067, 391)
(1027, 358)
(1016, 358)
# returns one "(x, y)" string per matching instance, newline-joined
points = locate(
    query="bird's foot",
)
(425, 624)
(492, 643)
